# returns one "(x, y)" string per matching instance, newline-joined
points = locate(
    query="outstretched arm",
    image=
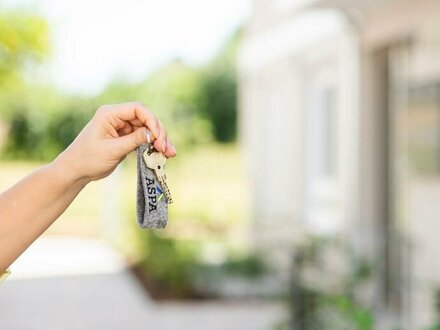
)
(31, 206)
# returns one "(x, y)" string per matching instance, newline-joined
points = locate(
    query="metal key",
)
(156, 161)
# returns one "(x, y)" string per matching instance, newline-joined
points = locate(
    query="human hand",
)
(113, 132)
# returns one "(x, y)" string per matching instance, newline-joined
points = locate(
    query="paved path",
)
(79, 284)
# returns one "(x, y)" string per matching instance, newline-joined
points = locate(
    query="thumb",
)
(130, 142)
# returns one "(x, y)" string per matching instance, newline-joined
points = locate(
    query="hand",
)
(114, 131)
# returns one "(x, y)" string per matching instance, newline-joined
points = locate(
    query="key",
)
(156, 161)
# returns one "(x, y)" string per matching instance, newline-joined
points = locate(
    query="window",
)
(324, 131)
(324, 207)
(424, 130)
(322, 126)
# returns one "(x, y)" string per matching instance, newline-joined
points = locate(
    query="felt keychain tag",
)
(152, 206)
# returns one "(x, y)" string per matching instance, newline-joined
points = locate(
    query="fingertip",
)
(169, 154)
(171, 151)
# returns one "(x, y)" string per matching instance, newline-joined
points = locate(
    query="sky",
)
(94, 41)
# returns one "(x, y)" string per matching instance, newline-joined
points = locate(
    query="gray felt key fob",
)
(152, 206)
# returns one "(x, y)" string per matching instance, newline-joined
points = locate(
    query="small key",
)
(156, 161)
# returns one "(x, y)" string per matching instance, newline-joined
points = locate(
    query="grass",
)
(207, 184)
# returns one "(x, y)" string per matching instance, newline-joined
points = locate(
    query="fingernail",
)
(164, 148)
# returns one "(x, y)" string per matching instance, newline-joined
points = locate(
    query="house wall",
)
(395, 20)
(278, 66)
(282, 52)
(269, 13)
(410, 199)
(271, 134)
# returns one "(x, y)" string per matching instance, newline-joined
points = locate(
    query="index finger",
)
(136, 110)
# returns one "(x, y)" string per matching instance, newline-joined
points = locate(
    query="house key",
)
(156, 161)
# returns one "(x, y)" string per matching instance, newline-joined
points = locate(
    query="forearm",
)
(31, 206)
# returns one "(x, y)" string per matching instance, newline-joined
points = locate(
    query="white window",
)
(323, 207)
(323, 132)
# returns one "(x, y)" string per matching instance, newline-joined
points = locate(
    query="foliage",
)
(171, 92)
(40, 127)
(218, 96)
(328, 305)
(249, 266)
(166, 263)
(23, 41)
(219, 103)
(171, 268)
(37, 130)
(197, 105)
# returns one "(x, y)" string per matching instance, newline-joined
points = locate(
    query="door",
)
(411, 229)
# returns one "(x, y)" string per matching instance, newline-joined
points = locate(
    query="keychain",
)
(153, 195)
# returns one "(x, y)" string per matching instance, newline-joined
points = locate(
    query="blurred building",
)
(340, 117)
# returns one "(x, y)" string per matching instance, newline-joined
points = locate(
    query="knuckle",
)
(102, 111)
(138, 104)
(135, 140)
(102, 108)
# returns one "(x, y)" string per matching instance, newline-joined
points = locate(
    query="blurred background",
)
(307, 187)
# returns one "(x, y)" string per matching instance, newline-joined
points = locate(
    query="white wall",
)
(276, 68)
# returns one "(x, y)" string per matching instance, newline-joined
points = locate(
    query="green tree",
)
(23, 41)
(172, 92)
(218, 94)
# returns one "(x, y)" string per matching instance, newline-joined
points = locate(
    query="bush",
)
(39, 132)
(333, 302)
(197, 105)
(218, 91)
(171, 268)
(219, 103)
(165, 265)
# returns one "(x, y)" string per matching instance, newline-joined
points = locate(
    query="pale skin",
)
(33, 204)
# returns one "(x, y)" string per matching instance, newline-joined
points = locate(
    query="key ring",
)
(148, 136)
